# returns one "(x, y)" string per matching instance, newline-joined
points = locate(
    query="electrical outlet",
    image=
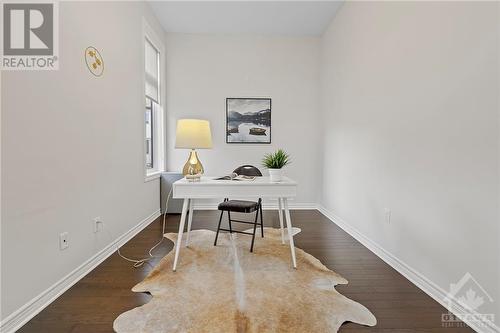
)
(97, 221)
(388, 214)
(63, 241)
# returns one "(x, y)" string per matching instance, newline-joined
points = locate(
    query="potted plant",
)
(275, 162)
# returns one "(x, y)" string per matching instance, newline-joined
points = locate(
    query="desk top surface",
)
(258, 181)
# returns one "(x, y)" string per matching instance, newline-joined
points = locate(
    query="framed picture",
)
(248, 120)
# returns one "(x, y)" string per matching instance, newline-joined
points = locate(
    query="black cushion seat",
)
(240, 206)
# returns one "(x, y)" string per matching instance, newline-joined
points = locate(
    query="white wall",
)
(204, 69)
(410, 114)
(72, 149)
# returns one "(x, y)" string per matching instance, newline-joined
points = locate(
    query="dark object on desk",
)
(248, 170)
(242, 206)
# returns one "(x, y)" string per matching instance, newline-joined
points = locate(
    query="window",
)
(148, 119)
(153, 113)
(152, 64)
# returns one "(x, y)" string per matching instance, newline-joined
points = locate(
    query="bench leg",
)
(190, 220)
(290, 232)
(181, 230)
(280, 215)
(218, 227)
(261, 219)
(254, 230)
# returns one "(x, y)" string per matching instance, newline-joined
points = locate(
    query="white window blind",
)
(152, 60)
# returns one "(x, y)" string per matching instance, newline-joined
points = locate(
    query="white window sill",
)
(152, 175)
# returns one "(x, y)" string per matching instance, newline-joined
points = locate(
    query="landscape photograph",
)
(248, 120)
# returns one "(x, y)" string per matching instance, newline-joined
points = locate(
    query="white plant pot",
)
(275, 175)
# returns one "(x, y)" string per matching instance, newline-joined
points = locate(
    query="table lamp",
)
(193, 134)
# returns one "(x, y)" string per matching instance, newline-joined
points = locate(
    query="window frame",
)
(149, 107)
(157, 113)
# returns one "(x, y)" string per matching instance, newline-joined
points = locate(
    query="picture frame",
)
(248, 120)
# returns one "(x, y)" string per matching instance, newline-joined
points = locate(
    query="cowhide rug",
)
(228, 289)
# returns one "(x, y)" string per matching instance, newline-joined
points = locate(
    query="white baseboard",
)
(265, 206)
(422, 282)
(21, 316)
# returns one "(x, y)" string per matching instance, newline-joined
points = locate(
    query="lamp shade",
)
(193, 134)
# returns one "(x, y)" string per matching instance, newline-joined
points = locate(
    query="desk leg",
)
(280, 214)
(190, 220)
(290, 231)
(181, 230)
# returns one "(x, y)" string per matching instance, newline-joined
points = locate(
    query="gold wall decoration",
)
(94, 61)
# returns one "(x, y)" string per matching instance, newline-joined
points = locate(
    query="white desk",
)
(209, 188)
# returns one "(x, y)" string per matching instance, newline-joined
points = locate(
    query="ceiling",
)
(291, 18)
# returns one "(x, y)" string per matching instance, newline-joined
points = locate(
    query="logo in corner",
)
(29, 36)
(466, 297)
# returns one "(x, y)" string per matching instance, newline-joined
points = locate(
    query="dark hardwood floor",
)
(93, 303)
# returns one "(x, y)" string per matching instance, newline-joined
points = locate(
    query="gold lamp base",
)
(193, 165)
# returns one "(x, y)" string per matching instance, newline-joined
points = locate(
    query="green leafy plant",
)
(276, 160)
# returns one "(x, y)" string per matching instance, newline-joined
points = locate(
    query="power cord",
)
(140, 262)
